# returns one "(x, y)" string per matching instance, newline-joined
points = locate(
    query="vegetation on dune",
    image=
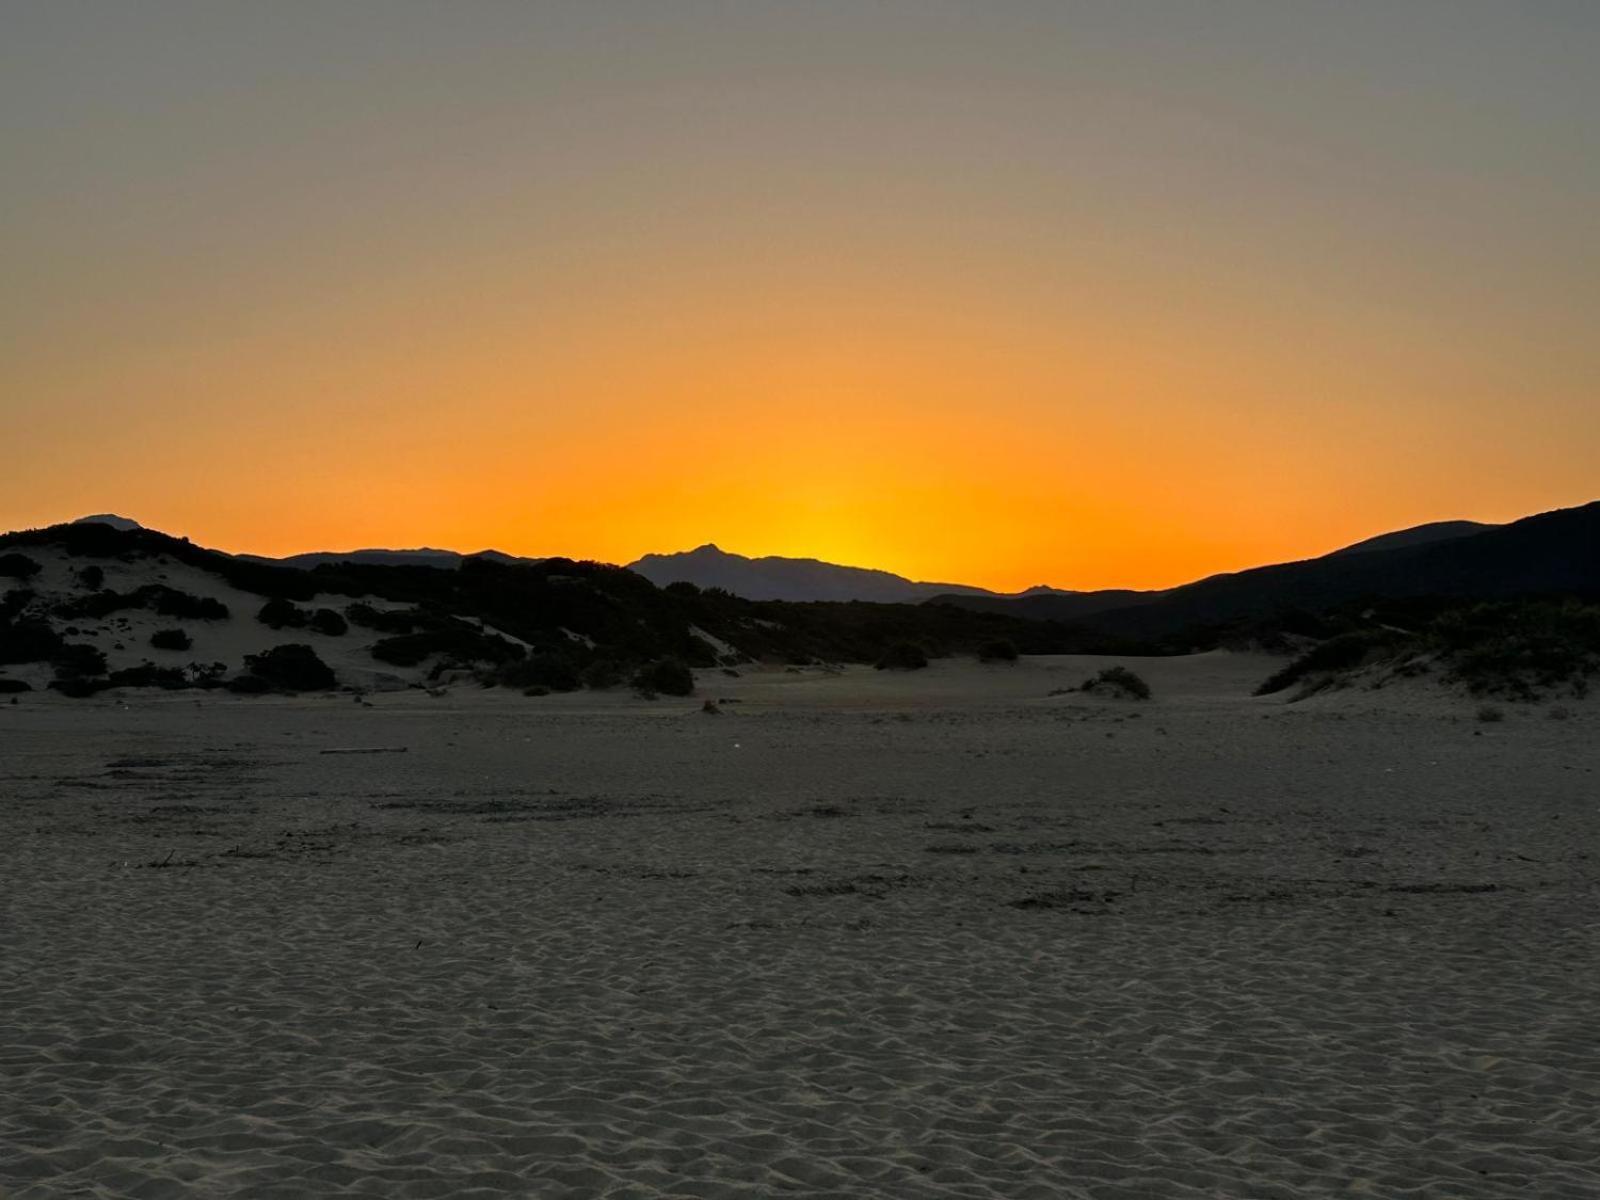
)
(460, 641)
(605, 622)
(666, 677)
(17, 566)
(171, 639)
(553, 672)
(327, 621)
(157, 597)
(293, 667)
(1117, 681)
(28, 641)
(999, 650)
(902, 656)
(79, 670)
(279, 613)
(12, 604)
(1517, 650)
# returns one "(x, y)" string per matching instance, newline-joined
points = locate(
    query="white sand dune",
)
(866, 934)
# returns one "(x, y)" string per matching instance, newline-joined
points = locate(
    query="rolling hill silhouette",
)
(1554, 553)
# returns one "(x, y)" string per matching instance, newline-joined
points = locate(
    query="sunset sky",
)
(1090, 294)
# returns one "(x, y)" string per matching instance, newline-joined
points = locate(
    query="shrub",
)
(1490, 715)
(1118, 681)
(1336, 654)
(1521, 650)
(551, 672)
(666, 677)
(1001, 650)
(902, 656)
(149, 675)
(169, 602)
(92, 577)
(403, 620)
(326, 621)
(291, 668)
(12, 604)
(28, 641)
(602, 673)
(8, 686)
(280, 614)
(464, 642)
(170, 639)
(17, 566)
(79, 688)
(75, 661)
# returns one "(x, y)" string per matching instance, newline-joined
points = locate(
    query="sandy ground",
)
(864, 935)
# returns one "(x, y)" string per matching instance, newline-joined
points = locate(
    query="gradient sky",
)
(1092, 294)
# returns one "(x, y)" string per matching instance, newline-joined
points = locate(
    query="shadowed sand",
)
(864, 934)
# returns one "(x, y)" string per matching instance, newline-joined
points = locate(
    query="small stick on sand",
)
(365, 750)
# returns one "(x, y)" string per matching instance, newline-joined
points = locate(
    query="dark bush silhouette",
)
(1002, 650)
(167, 602)
(28, 641)
(12, 604)
(462, 642)
(150, 675)
(326, 621)
(553, 672)
(665, 677)
(1118, 681)
(1341, 653)
(17, 566)
(79, 671)
(92, 577)
(603, 673)
(75, 660)
(8, 686)
(902, 656)
(79, 687)
(1519, 650)
(280, 614)
(290, 668)
(171, 639)
(403, 620)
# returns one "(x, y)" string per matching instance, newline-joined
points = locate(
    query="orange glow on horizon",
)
(1089, 296)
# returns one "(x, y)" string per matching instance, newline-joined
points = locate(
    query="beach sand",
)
(864, 934)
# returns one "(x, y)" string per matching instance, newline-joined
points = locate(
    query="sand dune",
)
(865, 934)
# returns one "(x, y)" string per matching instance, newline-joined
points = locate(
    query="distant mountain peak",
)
(775, 577)
(110, 519)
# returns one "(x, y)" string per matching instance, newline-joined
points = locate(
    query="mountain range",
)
(1551, 553)
(802, 579)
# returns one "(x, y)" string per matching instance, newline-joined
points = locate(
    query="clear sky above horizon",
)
(1092, 294)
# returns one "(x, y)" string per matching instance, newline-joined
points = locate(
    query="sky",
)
(1002, 293)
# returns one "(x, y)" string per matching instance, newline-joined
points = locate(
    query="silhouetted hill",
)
(1417, 535)
(799, 579)
(1556, 553)
(423, 556)
(1050, 605)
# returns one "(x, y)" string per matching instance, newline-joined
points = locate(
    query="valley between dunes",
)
(938, 934)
